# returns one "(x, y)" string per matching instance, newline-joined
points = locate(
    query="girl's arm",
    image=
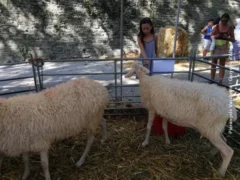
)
(214, 33)
(156, 44)
(232, 36)
(142, 51)
(203, 31)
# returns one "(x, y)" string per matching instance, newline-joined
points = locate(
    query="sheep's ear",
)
(130, 73)
(145, 70)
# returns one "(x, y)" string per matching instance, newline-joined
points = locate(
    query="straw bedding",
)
(166, 42)
(122, 157)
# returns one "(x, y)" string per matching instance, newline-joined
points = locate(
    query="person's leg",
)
(213, 69)
(221, 70)
(204, 52)
(204, 47)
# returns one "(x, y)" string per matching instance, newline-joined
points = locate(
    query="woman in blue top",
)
(206, 31)
(147, 41)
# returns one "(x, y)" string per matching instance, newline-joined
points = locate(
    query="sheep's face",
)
(137, 67)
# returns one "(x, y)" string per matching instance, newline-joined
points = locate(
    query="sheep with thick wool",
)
(31, 123)
(203, 107)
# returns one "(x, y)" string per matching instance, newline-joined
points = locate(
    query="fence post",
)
(115, 78)
(190, 65)
(121, 44)
(39, 76)
(34, 73)
(194, 63)
(36, 63)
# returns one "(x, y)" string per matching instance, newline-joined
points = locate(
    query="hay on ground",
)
(122, 157)
(166, 42)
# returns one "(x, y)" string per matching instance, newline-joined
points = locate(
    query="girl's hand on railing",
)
(146, 62)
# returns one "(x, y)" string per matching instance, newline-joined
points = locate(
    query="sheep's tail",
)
(104, 130)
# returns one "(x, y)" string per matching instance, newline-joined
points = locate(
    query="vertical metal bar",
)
(190, 66)
(115, 78)
(39, 78)
(41, 75)
(194, 63)
(34, 77)
(34, 74)
(121, 44)
(172, 73)
(176, 31)
(151, 64)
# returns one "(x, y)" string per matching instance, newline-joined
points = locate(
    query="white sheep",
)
(199, 106)
(31, 123)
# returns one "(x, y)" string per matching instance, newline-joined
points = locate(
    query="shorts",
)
(220, 50)
(206, 44)
(212, 44)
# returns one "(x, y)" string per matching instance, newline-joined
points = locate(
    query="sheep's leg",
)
(226, 153)
(214, 150)
(1, 161)
(26, 173)
(165, 129)
(45, 164)
(104, 130)
(89, 144)
(151, 115)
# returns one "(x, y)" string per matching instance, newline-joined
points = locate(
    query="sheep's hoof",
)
(80, 163)
(168, 142)
(25, 176)
(222, 172)
(144, 144)
(103, 140)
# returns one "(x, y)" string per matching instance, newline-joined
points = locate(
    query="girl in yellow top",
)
(223, 34)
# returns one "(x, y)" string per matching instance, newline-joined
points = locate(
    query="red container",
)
(173, 129)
